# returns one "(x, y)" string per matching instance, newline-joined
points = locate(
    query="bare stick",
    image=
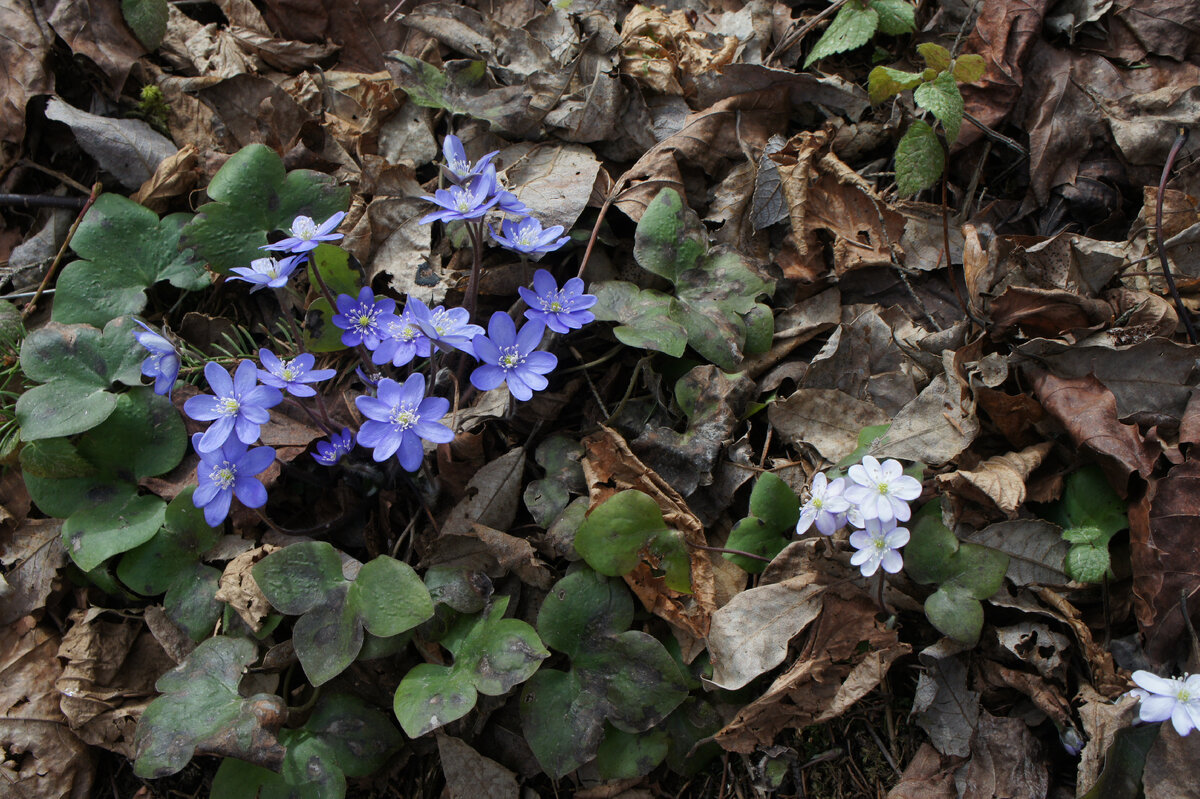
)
(1184, 314)
(37, 295)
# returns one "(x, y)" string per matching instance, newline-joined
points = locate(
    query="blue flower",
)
(365, 320)
(471, 202)
(227, 471)
(526, 236)
(240, 406)
(162, 363)
(267, 272)
(562, 310)
(511, 357)
(292, 375)
(330, 452)
(404, 341)
(458, 167)
(307, 234)
(399, 417)
(451, 328)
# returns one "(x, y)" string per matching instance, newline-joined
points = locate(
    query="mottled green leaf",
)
(548, 497)
(202, 712)
(627, 528)
(93, 535)
(624, 755)
(334, 266)
(670, 238)
(125, 249)
(148, 21)
(648, 318)
(919, 159)
(941, 97)
(253, 196)
(191, 602)
(853, 27)
(151, 568)
(936, 57)
(621, 676)
(969, 68)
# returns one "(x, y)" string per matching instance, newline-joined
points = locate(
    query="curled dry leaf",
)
(1102, 718)
(610, 466)
(843, 657)
(1000, 479)
(241, 592)
(1006, 760)
(30, 554)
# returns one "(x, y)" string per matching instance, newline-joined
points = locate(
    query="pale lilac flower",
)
(404, 339)
(449, 327)
(240, 406)
(399, 417)
(458, 167)
(562, 310)
(291, 376)
(881, 491)
(163, 361)
(1177, 699)
(366, 319)
(307, 234)
(878, 545)
(330, 452)
(267, 272)
(826, 507)
(511, 357)
(527, 236)
(460, 203)
(227, 471)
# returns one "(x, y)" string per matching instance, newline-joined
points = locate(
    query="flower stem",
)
(476, 232)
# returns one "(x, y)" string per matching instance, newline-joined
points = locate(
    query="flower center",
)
(883, 488)
(224, 475)
(440, 322)
(463, 203)
(818, 503)
(526, 238)
(408, 333)
(403, 416)
(288, 374)
(880, 544)
(510, 358)
(1184, 695)
(365, 320)
(458, 166)
(304, 228)
(229, 406)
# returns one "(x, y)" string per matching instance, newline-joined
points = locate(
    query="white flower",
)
(1177, 699)
(826, 506)
(878, 545)
(881, 491)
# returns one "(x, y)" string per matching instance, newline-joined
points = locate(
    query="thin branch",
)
(1184, 314)
(32, 305)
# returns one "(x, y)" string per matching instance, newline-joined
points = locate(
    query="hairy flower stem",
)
(285, 307)
(725, 551)
(324, 425)
(469, 300)
(1180, 138)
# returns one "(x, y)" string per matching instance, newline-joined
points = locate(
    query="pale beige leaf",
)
(824, 418)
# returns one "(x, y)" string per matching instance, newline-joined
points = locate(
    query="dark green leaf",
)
(148, 21)
(896, 17)
(624, 755)
(648, 318)
(93, 535)
(919, 159)
(852, 27)
(941, 97)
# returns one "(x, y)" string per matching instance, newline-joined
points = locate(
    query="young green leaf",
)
(627, 528)
(853, 27)
(547, 498)
(969, 68)
(774, 511)
(125, 249)
(647, 319)
(1090, 513)
(884, 82)
(621, 676)
(202, 712)
(941, 97)
(385, 598)
(919, 159)
(492, 654)
(936, 57)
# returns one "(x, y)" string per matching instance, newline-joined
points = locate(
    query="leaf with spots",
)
(385, 598)
(621, 676)
(201, 712)
(491, 655)
(344, 737)
(628, 528)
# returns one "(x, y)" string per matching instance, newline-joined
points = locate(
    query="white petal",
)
(1156, 708)
(1155, 684)
(1181, 720)
(892, 562)
(891, 469)
(905, 487)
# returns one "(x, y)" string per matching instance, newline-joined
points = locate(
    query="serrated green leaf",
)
(202, 712)
(148, 21)
(647, 318)
(919, 159)
(125, 249)
(896, 17)
(969, 68)
(941, 97)
(93, 535)
(1087, 563)
(885, 82)
(852, 27)
(621, 676)
(253, 196)
(936, 57)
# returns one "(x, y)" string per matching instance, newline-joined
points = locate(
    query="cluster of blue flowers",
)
(399, 417)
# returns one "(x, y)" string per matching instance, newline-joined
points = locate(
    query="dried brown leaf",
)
(470, 775)
(610, 466)
(1165, 556)
(1101, 718)
(241, 592)
(929, 775)
(1006, 760)
(31, 554)
(173, 177)
(824, 418)
(1001, 479)
(23, 51)
(933, 428)
(493, 496)
(96, 29)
